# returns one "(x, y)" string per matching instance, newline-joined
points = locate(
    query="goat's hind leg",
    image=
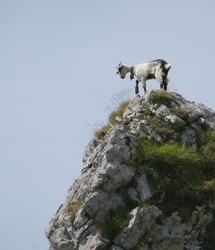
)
(137, 87)
(144, 86)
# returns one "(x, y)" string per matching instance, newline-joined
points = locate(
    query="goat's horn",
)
(119, 64)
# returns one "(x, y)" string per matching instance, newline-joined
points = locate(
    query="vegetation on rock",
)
(99, 134)
(161, 97)
(73, 207)
(160, 156)
(116, 220)
(180, 178)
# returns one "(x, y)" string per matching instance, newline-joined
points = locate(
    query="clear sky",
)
(57, 76)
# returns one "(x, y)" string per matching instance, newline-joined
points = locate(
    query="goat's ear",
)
(119, 68)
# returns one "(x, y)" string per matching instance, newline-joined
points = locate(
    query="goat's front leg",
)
(163, 85)
(137, 87)
(163, 82)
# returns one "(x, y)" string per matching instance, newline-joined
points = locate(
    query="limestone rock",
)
(110, 180)
(94, 242)
(143, 188)
(141, 221)
(175, 120)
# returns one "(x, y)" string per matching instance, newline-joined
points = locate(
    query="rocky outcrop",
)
(112, 188)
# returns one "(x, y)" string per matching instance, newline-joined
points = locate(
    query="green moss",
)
(207, 138)
(148, 112)
(161, 97)
(206, 142)
(118, 218)
(180, 113)
(167, 130)
(180, 178)
(114, 223)
(161, 127)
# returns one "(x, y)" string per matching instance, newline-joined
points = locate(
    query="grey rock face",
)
(175, 120)
(141, 222)
(108, 181)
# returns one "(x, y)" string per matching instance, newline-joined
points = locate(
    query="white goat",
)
(157, 69)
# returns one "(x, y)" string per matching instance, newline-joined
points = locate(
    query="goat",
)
(156, 69)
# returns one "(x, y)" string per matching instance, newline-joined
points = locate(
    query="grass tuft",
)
(148, 112)
(73, 207)
(161, 97)
(114, 223)
(118, 113)
(100, 134)
(160, 126)
(180, 113)
(118, 104)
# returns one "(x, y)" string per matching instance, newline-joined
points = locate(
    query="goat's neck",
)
(129, 68)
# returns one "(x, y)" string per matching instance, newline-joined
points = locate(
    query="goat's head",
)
(121, 70)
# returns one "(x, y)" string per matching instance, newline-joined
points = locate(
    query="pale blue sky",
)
(57, 75)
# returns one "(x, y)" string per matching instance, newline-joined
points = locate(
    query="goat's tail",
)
(167, 66)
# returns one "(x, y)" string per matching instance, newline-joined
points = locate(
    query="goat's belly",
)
(150, 76)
